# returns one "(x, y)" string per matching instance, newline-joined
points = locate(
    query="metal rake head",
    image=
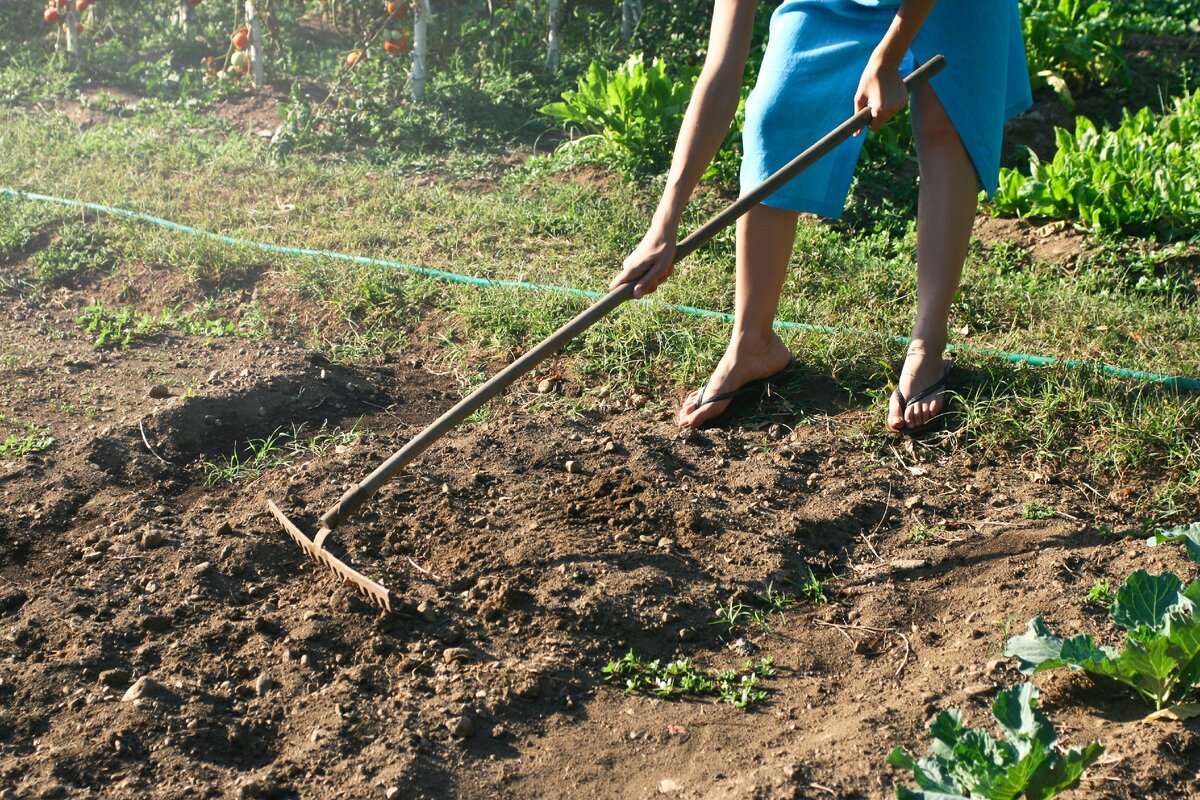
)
(375, 592)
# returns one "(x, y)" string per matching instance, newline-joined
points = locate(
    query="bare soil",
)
(271, 680)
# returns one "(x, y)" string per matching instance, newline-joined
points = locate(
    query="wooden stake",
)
(256, 50)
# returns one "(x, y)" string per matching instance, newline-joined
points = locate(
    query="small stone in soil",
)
(224, 529)
(114, 677)
(462, 727)
(392, 793)
(573, 467)
(144, 687)
(151, 539)
(638, 400)
(159, 391)
(316, 735)
(426, 610)
(914, 501)
(452, 654)
(546, 386)
(264, 684)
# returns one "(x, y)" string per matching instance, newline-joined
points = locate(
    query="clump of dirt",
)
(162, 636)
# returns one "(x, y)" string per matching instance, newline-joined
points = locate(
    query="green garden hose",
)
(471, 280)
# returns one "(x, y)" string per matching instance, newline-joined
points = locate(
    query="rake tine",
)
(376, 592)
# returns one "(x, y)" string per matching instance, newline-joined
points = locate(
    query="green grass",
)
(278, 449)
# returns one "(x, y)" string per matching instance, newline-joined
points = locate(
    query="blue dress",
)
(816, 52)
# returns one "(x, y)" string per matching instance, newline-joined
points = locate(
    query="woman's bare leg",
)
(945, 214)
(765, 236)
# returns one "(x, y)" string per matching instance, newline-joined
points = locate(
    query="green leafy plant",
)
(680, 678)
(631, 115)
(1161, 658)
(1037, 511)
(1072, 43)
(1143, 175)
(114, 328)
(1177, 17)
(1188, 534)
(1101, 594)
(16, 446)
(970, 763)
(79, 250)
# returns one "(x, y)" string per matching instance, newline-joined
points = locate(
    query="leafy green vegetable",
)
(1072, 43)
(632, 114)
(1142, 175)
(1161, 657)
(970, 763)
(1190, 534)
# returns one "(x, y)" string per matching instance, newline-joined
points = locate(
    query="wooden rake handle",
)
(353, 499)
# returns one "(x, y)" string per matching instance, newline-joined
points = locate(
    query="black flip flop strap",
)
(930, 390)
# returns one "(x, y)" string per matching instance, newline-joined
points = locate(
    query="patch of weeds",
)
(80, 250)
(16, 446)
(1101, 595)
(121, 327)
(279, 449)
(114, 328)
(924, 534)
(681, 678)
(735, 615)
(1038, 511)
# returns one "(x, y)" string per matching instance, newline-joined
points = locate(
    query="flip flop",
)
(932, 389)
(739, 398)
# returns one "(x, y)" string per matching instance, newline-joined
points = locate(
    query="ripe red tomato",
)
(241, 39)
(398, 46)
(397, 9)
(50, 15)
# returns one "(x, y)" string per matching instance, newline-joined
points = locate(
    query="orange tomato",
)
(81, 5)
(397, 9)
(50, 15)
(396, 46)
(241, 39)
(353, 58)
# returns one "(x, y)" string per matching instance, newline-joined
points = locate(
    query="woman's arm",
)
(881, 89)
(713, 104)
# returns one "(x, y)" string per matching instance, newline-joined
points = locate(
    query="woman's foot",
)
(744, 361)
(921, 371)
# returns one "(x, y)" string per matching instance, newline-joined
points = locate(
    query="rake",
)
(354, 498)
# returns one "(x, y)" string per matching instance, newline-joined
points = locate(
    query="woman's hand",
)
(880, 89)
(650, 263)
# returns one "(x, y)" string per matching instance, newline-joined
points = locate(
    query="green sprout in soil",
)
(772, 601)
(970, 762)
(279, 449)
(926, 533)
(1101, 594)
(16, 446)
(1038, 511)
(681, 678)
